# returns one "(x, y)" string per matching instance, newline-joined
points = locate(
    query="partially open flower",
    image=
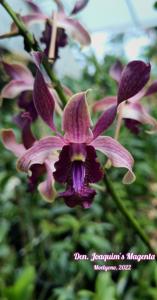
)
(133, 111)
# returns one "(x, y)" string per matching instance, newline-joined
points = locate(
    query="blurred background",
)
(38, 239)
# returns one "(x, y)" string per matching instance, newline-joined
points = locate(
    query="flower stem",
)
(119, 122)
(108, 164)
(32, 44)
(135, 225)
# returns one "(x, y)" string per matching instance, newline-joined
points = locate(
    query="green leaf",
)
(85, 295)
(105, 288)
(24, 285)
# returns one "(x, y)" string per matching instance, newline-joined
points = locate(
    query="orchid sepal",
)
(76, 119)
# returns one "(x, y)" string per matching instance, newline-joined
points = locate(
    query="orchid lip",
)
(78, 175)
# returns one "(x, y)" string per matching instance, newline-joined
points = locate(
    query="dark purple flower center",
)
(61, 40)
(78, 167)
(78, 175)
(133, 125)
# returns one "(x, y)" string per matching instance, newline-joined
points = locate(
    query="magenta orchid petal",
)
(46, 188)
(34, 18)
(22, 80)
(67, 91)
(37, 57)
(18, 72)
(105, 120)
(9, 141)
(39, 152)
(118, 155)
(14, 88)
(79, 5)
(27, 135)
(133, 126)
(24, 120)
(43, 100)
(116, 70)
(64, 163)
(84, 200)
(132, 111)
(30, 19)
(60, 6)
(25, 102)
(152, 89)
(134, 77)
(57, 101)
(136, 111)
(76, 119)
(105, 103)
(36, 171)
(74, 29)
(34, 7)
(137, 97)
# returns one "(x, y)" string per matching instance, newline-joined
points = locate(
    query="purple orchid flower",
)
(21, 86)
(66, 25)
(46, 187)
(77, 165)
(133, 112)
(78, 156)
(24, 121)
(73, 27)
(21, 80)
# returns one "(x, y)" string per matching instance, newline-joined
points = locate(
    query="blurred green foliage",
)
(38, 240)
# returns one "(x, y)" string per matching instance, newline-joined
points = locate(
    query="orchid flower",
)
(78, 146)
(21, 86)
(77, 165)
(46, 187)
(66, 25)
(132, 111)
(21, 80)
(24, 120)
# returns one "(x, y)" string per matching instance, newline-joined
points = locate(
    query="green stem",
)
(139, 231)
(32, 44)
